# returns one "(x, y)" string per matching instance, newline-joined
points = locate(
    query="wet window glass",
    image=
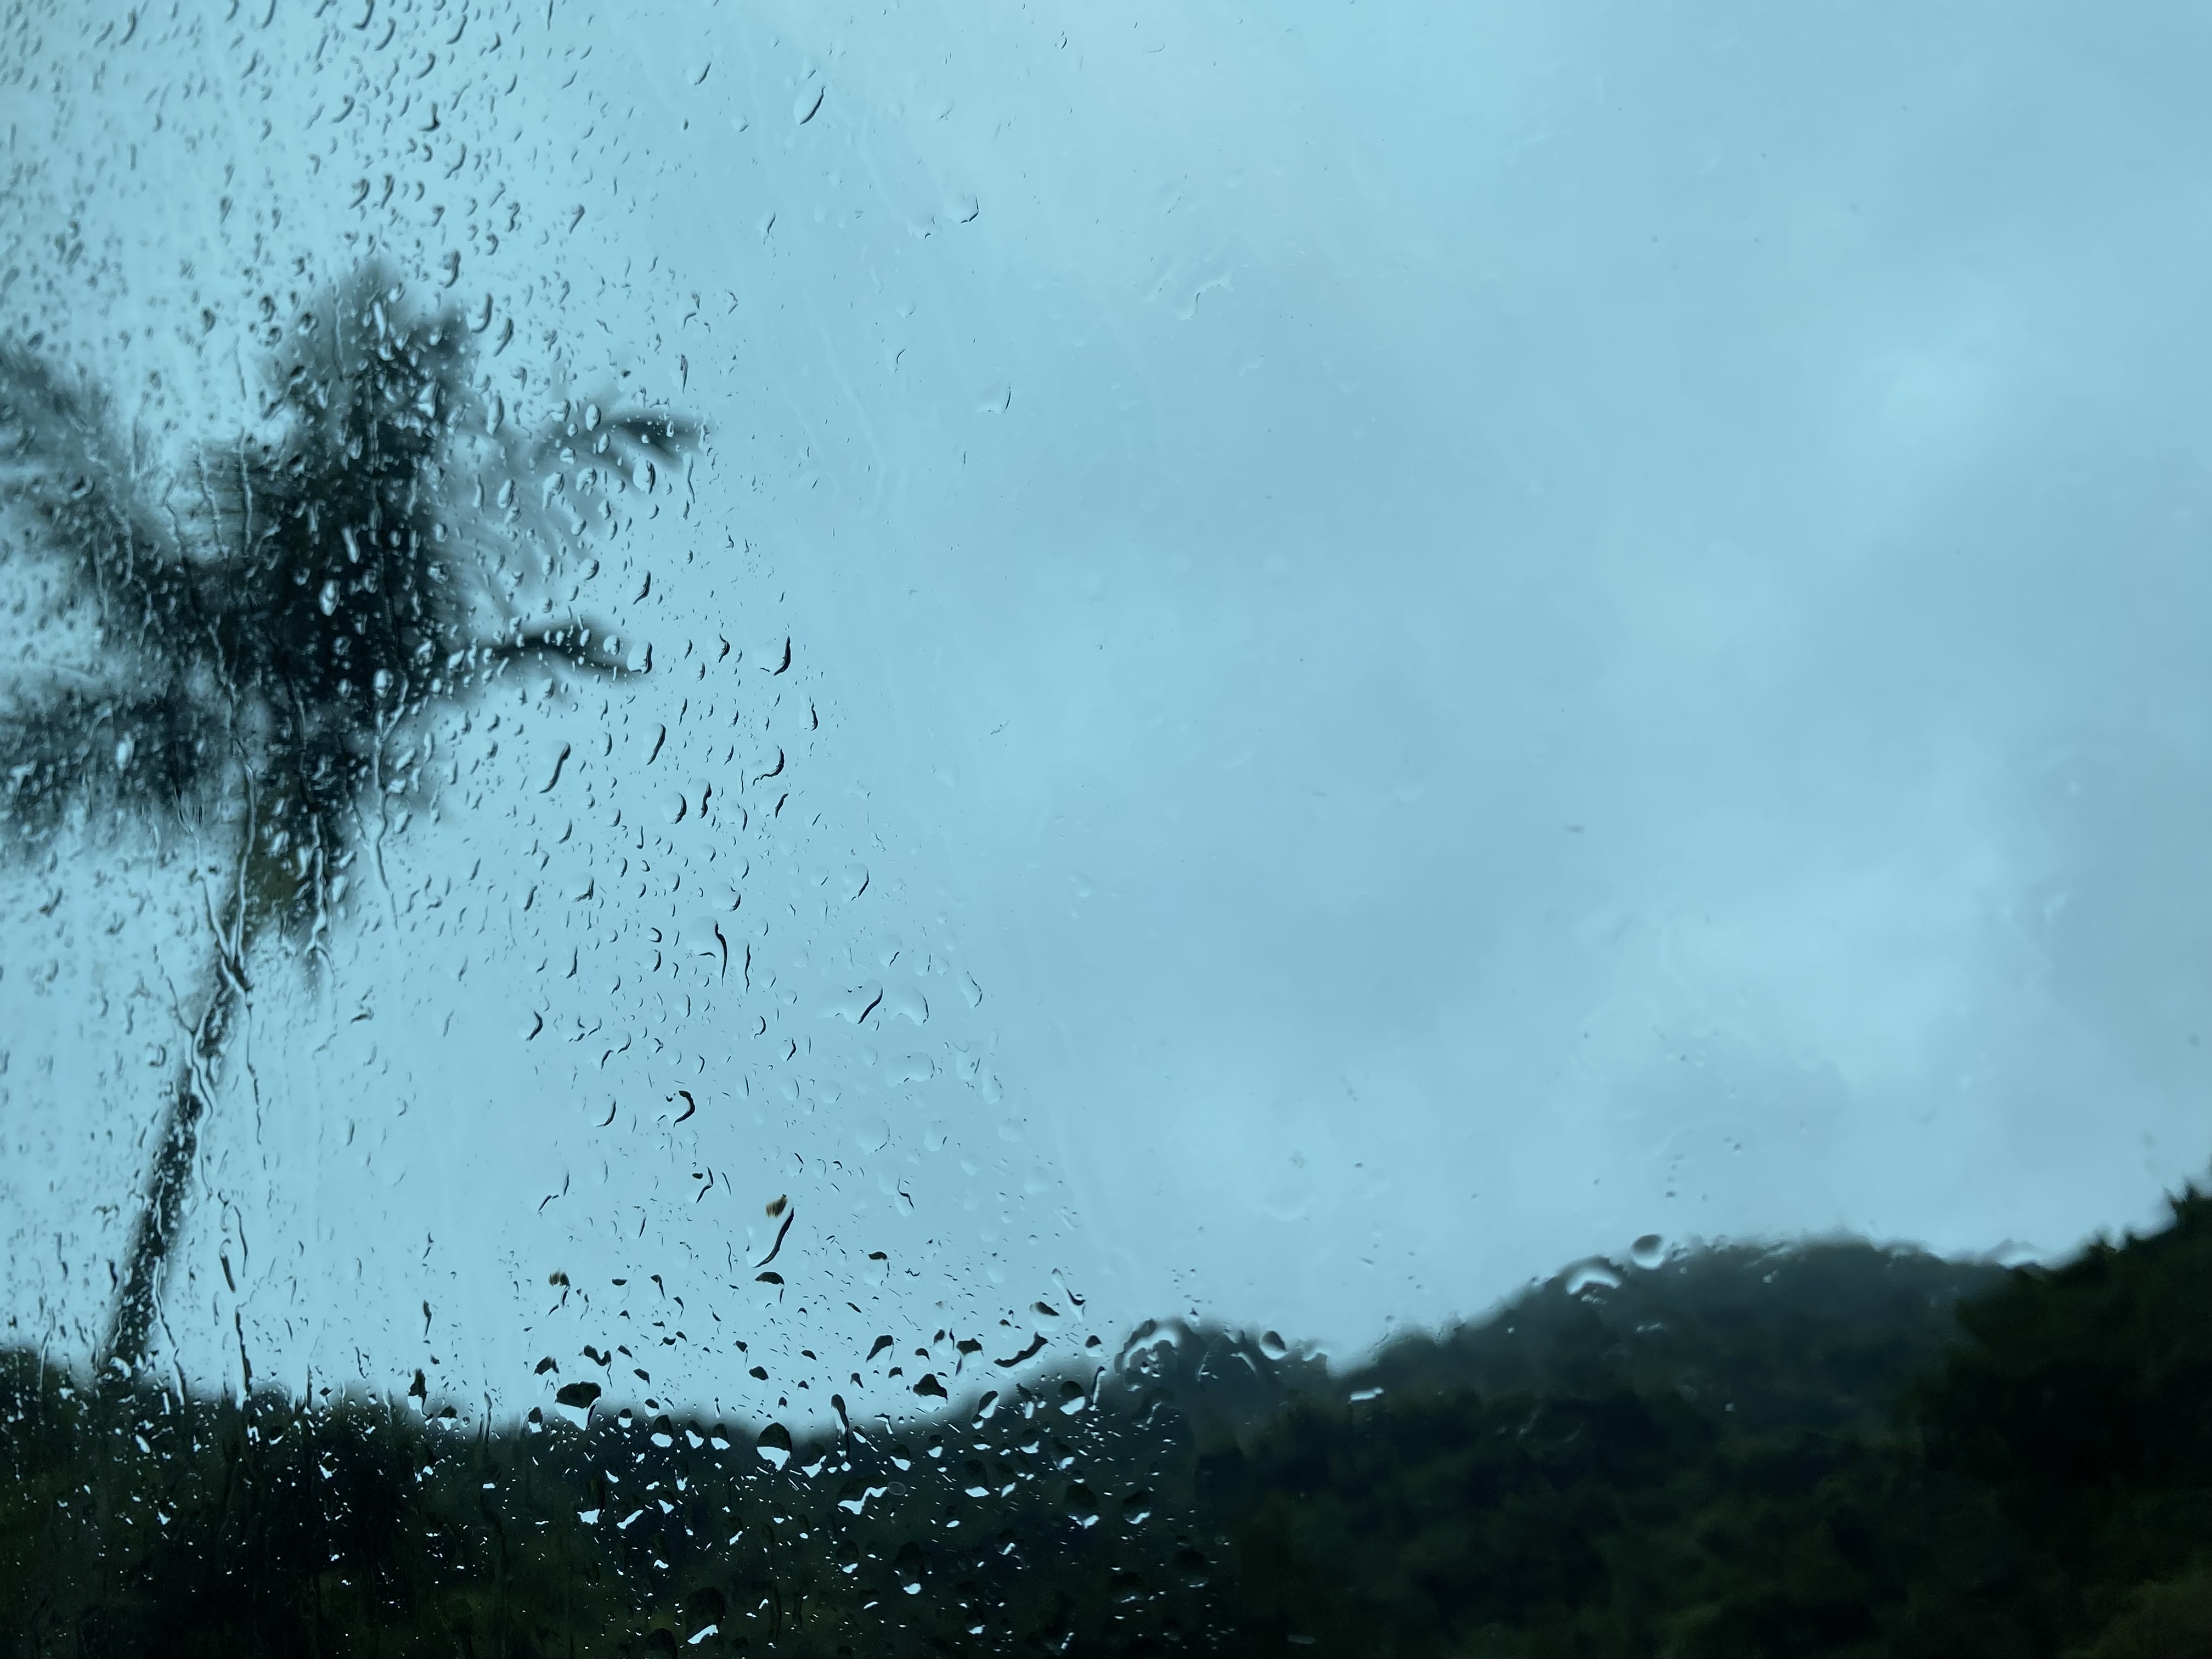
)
(1119, 830)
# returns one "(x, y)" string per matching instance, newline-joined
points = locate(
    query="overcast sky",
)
(1424, 639)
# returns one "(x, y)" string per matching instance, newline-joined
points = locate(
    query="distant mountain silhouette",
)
(1825, 1449)
(1813, 1334)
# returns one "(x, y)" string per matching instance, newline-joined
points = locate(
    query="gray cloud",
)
(1487, 631)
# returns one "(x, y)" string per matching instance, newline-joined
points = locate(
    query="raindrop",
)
(808, 104)
(774, 1445)
(907, 1564)
(1649, 1251)
(577, 1396)
(1591, 1275)
(1273, 1345)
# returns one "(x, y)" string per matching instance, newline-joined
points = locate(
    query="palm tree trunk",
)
(154, 1232)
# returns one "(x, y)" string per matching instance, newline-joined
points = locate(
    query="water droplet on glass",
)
(577, 1397)
(907, 1564)
(1649, 1251)
(1591, 1275)
(774, 1445)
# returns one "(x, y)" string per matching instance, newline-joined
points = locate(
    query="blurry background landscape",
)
(1517, 687)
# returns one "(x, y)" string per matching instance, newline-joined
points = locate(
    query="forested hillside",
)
(1824, 1449)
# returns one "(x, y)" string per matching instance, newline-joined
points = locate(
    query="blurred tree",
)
(267, 624)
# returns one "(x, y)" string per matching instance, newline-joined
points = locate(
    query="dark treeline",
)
(1828, 1450)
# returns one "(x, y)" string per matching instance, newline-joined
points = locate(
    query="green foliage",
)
(135, 1522)
(1825, 1451)
(1801, 1453)
(2169, 1619)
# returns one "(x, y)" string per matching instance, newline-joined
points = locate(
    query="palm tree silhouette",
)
(268, 625)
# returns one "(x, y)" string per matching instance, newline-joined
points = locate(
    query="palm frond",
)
(85, 488)
(559, 482)
(81, 755)
(654, 434)
(586, 648)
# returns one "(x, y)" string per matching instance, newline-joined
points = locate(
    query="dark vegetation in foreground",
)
(1828, 1450)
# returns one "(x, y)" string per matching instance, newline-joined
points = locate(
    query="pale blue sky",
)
(1446, 635)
